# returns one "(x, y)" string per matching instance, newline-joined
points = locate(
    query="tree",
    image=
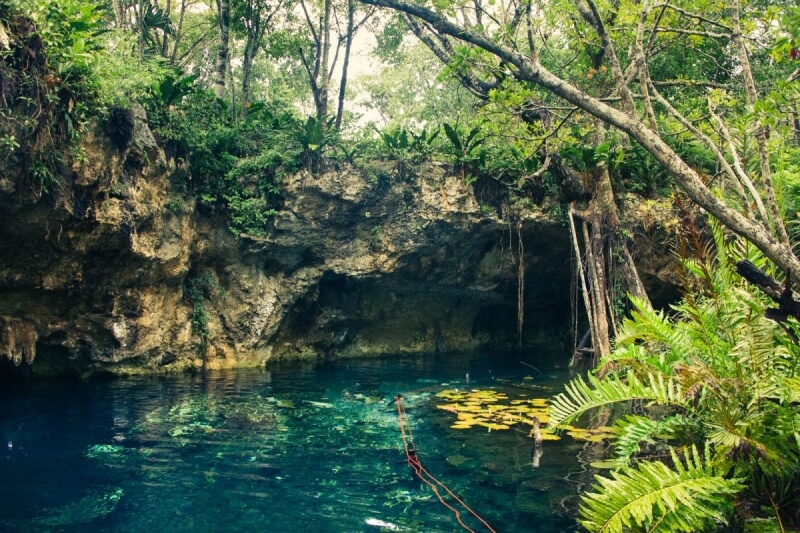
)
(172, 30)
(328, 36)
(405, 94)
(221, 65)
(253, 18)
(648, 35)
(609, 262)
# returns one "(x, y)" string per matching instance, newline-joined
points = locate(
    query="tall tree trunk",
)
(253, 25)
(165, 42)
(176, 42)
(351, 9)
(761, 130)
(139, 14)
(595, 264)
(119, 14)
(222, 53)
(608, 263)
(324, 71)
(247, 73)
(605, 203)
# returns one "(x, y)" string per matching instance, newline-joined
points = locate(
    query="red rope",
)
(424, 475)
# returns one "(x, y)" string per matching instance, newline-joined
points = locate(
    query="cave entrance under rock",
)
(428, 310)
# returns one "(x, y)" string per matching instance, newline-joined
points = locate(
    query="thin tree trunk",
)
(255, 31)
(351, 8)
(324, 73)
(584, 284)
(165, 43)
(119, 14)
(761, 130)
(247, 72)
(594, 260)
(233, 93)
(738, 168)
(796, 125)
(705, 139)
(140, 27)
(604, 202)
(222, 52)
(173, 60)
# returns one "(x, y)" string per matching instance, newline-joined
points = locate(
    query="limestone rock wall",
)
(358, 263)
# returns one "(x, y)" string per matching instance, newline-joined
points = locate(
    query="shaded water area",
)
(294, 447)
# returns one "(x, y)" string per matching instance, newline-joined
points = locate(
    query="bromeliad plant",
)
(406, 146)
(465, 148)
(718, 392)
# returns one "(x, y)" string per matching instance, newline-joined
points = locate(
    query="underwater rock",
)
(457, 460)
(388, 526)
(95, 505)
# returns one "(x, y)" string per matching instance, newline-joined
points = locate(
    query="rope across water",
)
(424, 475)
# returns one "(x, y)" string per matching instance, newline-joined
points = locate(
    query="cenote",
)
(290, 447)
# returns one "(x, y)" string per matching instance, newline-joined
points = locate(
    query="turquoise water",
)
(290, 448)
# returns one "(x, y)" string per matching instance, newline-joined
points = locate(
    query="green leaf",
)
(582, 396)
(689, 497)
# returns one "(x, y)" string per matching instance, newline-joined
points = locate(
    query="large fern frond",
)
(633, 430)
(581, 396)
(754, 435)
(652, 327)
(655, 497)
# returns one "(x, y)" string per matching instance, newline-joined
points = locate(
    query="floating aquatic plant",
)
(493, 410)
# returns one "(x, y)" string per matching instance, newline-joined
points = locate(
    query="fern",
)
(632, 431)
(729, 380)
(582, 396)
(655, 497)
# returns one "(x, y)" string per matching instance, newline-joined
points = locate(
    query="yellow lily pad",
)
(550, 436)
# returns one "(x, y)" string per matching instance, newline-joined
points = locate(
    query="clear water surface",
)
(290, 448)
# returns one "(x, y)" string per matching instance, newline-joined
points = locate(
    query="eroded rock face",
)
(123, 274)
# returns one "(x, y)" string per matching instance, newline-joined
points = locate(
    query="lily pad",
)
(605, 465)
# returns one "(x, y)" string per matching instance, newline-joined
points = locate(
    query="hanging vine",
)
(520, 282)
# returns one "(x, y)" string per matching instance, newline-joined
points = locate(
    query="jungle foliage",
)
(709, 434)
(92, 60)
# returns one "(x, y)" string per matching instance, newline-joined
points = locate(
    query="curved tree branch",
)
(531, 71)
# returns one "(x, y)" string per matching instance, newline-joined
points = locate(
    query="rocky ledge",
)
(121, 273)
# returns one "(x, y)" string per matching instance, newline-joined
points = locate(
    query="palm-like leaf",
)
(582, 396)
(655, 497)
(633, 430)
(733, 375)
(670, 343)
